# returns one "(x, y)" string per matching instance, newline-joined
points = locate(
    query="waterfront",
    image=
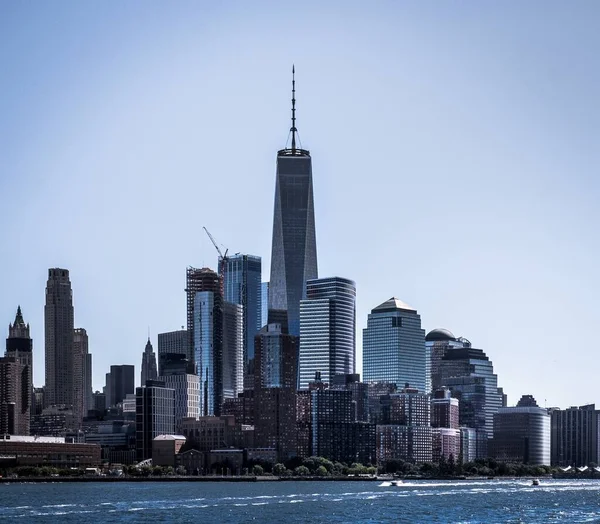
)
(481, 501)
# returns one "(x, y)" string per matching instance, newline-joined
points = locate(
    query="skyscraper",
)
(264, 304)
(198, 280)
(327, 329)
(121, 383)
(208, 339)
(233, 350)
(575, 436)
(19, 347)
(149, 367)
(241, 283)
(173, 343)
(58, 323)
(81, 374)
(294, 248)
(154, 415)
(394, 346)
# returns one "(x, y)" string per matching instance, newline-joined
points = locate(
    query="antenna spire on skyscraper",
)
(293, 129)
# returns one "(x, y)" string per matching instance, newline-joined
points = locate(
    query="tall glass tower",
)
(327, 329)
(294, 248)
(394, 346)
(242, 285)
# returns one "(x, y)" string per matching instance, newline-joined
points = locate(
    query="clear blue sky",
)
(455, 151)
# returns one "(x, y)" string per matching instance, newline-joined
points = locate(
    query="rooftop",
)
(393, 304)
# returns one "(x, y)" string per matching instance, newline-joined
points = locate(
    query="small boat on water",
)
(391, 483)
(535, 482)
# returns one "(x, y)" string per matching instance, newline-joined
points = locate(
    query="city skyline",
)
(485, 156)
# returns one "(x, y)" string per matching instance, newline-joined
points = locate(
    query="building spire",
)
(19, 317)
(293, 129)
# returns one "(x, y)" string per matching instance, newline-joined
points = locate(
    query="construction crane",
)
(222, 257)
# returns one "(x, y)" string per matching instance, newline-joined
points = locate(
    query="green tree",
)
(322, 471)
(279, 469)
(301, 471)
(257, 470)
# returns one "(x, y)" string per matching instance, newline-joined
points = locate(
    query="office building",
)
(522, 434)
(327, 329)
(242, 285)
(394, 346)
(186, 394)
(82, 374)
(58, 327)
(198, 280)
(276, 365)
(121, 382)
(16, 379)
(173, 342)
(154, 415)
(469, 374)
(149, 367)
(294, 247)
(574, 436)
(438, 342)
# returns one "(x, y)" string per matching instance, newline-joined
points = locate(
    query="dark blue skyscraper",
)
(294, 248)
(242, 285)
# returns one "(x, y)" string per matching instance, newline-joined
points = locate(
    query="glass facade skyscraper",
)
(327, 329)
(242, 285)
(264, 304)
(394, 346)
(294, 248)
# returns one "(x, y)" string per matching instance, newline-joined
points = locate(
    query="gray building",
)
(82, 374)
(294, 247)
(58, 327)
(186, 390)
(16, 389)
(149, 367)
(405, 433)
(327, 329)
(574, 436)
(522, 434)
(121, 381)
(394, 346)
(233, 350)
(264, 304)
(173, 342)
(242, 285)
(154, 415)
(469, 374)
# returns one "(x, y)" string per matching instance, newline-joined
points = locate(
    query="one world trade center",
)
(294, 248)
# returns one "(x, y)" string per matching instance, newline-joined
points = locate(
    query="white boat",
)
(397, 482)
(535, 482)
(385, 484)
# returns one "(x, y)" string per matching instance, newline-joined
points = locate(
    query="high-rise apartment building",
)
(198, 280)
(406, 433)
(327, 329)
(394, 346)
(154, 415)
(208, 340)
(58, 324)
(18, 389)
(233, 350)
(294, 248)
(186, 395)
(276, 365)
(575, 432)
(242, 285)
(149, 367)
(445, 428)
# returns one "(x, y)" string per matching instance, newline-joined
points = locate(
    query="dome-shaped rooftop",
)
(439, 335)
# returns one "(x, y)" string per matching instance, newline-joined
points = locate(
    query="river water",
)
(482, 501)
